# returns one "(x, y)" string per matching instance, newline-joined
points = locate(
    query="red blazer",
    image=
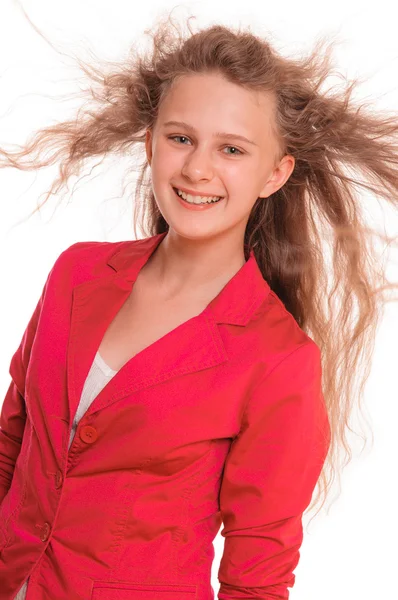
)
(220, 421)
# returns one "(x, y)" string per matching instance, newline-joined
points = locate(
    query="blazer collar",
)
(236, 302)
(192, 346)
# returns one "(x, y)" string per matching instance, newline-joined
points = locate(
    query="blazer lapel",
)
(194, 345)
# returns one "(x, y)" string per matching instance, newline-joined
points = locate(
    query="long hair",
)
(309, 238)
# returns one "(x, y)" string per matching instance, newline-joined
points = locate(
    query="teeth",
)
(197, 199)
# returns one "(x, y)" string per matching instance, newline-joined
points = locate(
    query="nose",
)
(198, 165)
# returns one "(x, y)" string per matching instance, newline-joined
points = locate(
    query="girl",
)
(170, 384)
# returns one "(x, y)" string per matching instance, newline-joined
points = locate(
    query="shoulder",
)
(85, 260)
(280, 336)
(87, 253)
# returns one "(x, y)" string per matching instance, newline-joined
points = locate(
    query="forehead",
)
(208, 102)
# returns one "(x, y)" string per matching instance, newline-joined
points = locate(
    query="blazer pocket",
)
(124, 590)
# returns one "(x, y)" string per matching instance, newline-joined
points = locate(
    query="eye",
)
(173, 137)
(234, 147)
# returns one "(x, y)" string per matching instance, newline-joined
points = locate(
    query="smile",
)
(196, 206)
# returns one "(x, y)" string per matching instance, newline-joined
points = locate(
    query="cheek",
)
(168, 163)
(242, 198)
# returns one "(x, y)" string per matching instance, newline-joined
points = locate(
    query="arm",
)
(269, 477)
(13, 414)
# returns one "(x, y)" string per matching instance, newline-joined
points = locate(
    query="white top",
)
(97, 378)
(99, 375)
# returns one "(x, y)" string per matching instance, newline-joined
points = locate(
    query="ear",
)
(148, 145)
(279, 176)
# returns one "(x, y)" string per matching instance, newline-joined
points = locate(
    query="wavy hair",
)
(310, 238)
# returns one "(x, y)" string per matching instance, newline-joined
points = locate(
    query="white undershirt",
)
(97, 378)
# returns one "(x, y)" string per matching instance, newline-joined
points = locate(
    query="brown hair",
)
(309, 237)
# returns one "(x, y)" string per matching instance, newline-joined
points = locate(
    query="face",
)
(201, 159)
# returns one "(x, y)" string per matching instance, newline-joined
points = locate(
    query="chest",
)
(142, 320)
(186, 384)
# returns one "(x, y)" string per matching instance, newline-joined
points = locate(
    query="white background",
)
(351, 553)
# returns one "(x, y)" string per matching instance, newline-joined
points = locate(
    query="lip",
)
(194, 193)
(197, 207)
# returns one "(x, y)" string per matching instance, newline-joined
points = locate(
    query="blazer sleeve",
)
(13, 413)
(269, 476)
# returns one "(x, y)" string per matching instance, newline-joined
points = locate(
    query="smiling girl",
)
(200, 376)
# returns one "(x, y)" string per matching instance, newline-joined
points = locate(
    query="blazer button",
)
(45, 532)
(58, 479)
(88, 434)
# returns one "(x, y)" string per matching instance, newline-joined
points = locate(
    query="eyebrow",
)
(220, 134)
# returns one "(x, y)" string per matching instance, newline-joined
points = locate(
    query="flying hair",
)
(310, 237)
